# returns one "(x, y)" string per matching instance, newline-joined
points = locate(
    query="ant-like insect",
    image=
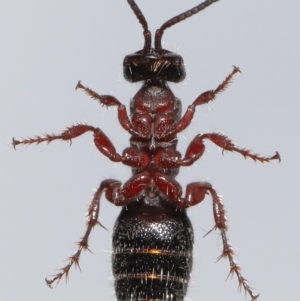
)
(153, 236)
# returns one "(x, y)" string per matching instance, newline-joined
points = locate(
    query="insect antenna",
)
(159, 32)
(142, 20)
(177, 19)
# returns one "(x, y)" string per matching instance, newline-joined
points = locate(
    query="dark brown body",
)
(153, 237)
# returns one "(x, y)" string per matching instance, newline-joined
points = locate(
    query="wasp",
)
(153, 237)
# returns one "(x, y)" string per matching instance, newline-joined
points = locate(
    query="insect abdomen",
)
(152, 251)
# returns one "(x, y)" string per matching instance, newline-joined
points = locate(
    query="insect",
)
(153, 236)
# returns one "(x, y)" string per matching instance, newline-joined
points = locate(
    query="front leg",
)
(109, 101)
(205, 97)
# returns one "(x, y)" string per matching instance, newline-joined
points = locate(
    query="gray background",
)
(47, 46)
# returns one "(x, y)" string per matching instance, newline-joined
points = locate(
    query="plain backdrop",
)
(47, 46)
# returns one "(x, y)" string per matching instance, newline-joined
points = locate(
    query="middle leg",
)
(196, 149)
(170, 158)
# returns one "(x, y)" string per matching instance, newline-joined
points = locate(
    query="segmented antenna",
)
(169, 23)
(142, 20)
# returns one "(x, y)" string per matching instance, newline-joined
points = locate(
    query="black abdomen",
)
(152, 251)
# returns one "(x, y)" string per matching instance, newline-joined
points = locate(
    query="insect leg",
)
(115, 195)
(205, 97)
(196, 149)
(120, 195)
(92, 220)
(101, 141)
(170, 158)
(221, 224)
(109, 101)
(195, 194)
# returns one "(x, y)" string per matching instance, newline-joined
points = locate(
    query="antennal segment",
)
(142, 20)
(177, 19)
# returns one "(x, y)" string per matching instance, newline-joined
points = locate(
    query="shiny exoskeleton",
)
(152, 257)
(153, 237)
